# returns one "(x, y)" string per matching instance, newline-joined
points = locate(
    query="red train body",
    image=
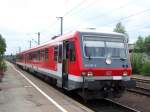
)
(94, 64)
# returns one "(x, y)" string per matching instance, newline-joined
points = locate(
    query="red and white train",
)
(94, 64)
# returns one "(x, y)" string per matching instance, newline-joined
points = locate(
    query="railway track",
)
(107, 105)
(104, 105)
(140, 90)
(141, 80)
(124, 108)
(142, 87)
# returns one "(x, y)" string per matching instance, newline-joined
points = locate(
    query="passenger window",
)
(39, 55)
(36, 55)
(55, 53)
(31, 56)
(46, 54)
(42, 55)
(28, 56)
(72, 51)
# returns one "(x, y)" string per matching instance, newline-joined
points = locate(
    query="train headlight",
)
(125, 73)
(83, 73)
(90, 74)
(108, 61)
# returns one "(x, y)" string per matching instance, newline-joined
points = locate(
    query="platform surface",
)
(18, 95)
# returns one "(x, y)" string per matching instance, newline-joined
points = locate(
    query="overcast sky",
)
(20, 20)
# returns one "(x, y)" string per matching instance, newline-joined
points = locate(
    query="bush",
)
(136, 62)
(3, 66)
(146, 69)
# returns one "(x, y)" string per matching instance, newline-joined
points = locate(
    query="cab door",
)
(65, 64)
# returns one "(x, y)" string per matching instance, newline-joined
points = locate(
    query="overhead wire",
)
(116, 9)
(89, 5)
(82, 9)
(139, 28)
(78, 5)
(74, 8)
(129, 16)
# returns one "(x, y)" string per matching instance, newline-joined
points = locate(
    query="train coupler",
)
(129, 84)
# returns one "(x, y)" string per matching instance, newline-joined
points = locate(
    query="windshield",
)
(95, 48)
(116, 49)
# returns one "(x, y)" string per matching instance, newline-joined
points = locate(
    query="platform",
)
(21, 92)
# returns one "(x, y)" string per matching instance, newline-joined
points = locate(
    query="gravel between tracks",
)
(136, 101)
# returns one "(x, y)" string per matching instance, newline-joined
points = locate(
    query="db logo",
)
(108, 73)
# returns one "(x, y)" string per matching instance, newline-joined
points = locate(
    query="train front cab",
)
(96, 65)
(106, 66)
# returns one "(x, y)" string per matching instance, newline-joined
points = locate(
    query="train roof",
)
(100, 32)
(70, 35)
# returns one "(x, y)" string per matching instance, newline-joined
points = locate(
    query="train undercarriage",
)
(104, 89)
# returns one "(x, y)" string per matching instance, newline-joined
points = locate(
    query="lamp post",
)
(38, 38)
(19, 49)
(29, 43)
(61, 24)
(38, 42)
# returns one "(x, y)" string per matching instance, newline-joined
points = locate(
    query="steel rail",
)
(141, 80)
(140, 90)
(122, 105)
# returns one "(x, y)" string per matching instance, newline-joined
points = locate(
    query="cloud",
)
(21, 19)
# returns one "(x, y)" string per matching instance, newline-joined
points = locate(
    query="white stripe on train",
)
(74, 77)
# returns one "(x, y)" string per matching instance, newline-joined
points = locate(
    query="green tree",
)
(140, 57)
(3, 66)
(147, 45)
(120, 28)
(143, 45)
(139, 45)
(136, 62)
(2, 46)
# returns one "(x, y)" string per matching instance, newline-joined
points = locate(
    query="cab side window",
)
(46, 54)
(55, 53)
(72, 53)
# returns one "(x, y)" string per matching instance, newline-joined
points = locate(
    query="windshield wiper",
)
(87, 54)
(89, 57)
(122, 58)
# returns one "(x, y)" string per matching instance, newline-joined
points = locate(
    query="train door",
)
(59, 60)
(65, 64)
